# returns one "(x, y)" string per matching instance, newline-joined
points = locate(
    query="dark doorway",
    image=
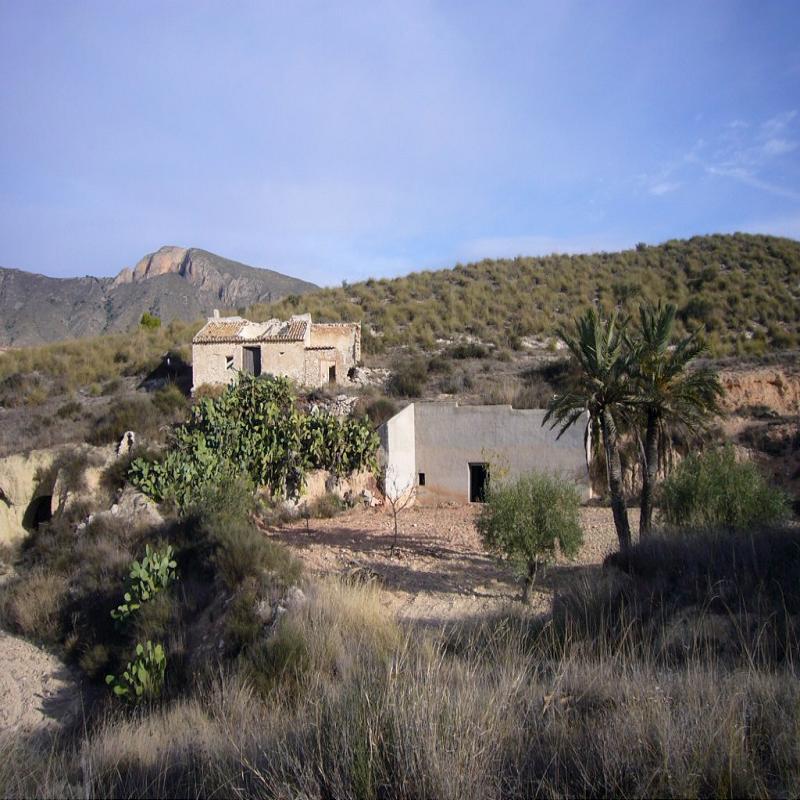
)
(252, 360)
(331, 374)
(37, 512)
(478, 478)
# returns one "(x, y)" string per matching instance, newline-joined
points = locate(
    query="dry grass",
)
(672, 672)
(32, 607)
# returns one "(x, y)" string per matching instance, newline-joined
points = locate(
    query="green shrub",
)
(468, 350)
(380, 410)
(529, 519)
(714, 490)
(256, 426)
(221, 517)
(328, 506)
(408, 378)
(20, 389)
(170, 401)
(69, 409)
(150, 321)
(135, 414)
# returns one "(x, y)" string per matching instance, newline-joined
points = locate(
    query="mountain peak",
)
(165, 260)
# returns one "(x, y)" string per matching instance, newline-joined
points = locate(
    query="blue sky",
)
(341, 141)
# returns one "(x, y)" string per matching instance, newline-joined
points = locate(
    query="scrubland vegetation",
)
(742, 288)
(671, 672)
(213, 666)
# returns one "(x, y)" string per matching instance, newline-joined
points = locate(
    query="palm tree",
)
(670, 396)
(603, 389)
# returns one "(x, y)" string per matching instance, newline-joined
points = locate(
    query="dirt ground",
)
(37, 691)
(439, 572)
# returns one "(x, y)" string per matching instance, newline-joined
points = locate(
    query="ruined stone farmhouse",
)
(445, 452)
(309, 353)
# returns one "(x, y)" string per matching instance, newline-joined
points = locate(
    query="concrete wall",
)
(441, 440)
(398, 450)
(208, 363)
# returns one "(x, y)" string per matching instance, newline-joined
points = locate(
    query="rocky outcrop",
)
(771, 388)
(38, 484)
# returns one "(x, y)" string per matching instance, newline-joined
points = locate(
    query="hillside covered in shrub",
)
(744, 289)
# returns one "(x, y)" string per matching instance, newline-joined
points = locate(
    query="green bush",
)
(150, 321)
(714, 490)
(380, 410)
(135, 414)
(468, 350)
(170, 400)
(408, 378)
(526, 521)
(221, 517)
(256, 426)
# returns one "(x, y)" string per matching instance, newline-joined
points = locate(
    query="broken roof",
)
(237, 329)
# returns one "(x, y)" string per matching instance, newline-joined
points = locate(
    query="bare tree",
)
(399, 495)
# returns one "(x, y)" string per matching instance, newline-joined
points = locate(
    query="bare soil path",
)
(439, 571)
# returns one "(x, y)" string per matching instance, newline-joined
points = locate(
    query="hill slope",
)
(173, 283)
(745, 289)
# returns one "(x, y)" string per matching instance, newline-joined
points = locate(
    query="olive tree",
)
(528, 521)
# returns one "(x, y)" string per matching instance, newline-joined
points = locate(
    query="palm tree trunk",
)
(649, 473)
(614, 474)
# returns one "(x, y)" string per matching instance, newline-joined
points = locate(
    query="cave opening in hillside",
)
(38, 512)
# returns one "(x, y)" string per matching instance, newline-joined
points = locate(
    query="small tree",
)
(399, 494)
(526, 520)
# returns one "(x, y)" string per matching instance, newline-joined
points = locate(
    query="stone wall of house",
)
(209, 363)
(284, 358)
(345, 337)
(318, 363)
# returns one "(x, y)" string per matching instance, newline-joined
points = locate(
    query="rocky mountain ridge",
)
(172, 283)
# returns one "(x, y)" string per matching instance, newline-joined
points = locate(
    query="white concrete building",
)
(446, 451)
(310, 353)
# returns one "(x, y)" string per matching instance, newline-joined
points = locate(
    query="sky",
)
(339, 141)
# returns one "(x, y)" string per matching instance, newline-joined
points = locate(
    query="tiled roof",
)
(292, 331)
(219, 331)
(236, 329)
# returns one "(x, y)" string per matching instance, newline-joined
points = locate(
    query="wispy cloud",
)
(664, 187)
(751, 153)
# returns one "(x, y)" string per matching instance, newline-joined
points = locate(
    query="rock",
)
(370, 500)
(263, 611)
(137, 507)
(126, 443)
(369, 376)
(295, 597)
